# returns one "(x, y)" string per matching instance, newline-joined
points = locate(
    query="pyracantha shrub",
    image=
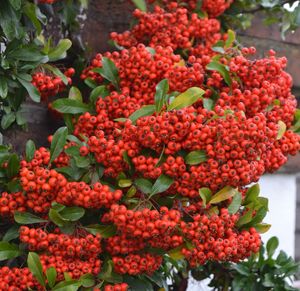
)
(158, 166)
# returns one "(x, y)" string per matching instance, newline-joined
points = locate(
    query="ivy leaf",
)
(196, 157)
(144, 185)
(30, 150)
(272, 245)
(220, 68)
(224, 194)
(140, 4)
(162, 89)
(187, 98)
(8, 251)
(60, 51)
(143, 111)
(75, 94)
(109, 71)
(58, 142)
(51, 275)
(235, 204)
(70, 106)
(205, 194)
(230, 39)
(35, 267)
(281, 129)
(27, 218)
(162, 184)
(105, 231)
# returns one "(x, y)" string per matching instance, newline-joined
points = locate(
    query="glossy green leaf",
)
(124, 183)
(75, 94)
(230, 39)
(35, 267)
(235, 203)
(30, 150)
(3, 87)
(162, 89)
(11, 233)
(105, 231)
(71, 106)
(13, 166)
(107, 274)
(252, 194)
(262, 227)
(57, 72)
(98, 92)
(224, 194)
(7, 120)
(32, 90)
(272, 245)
(205, 194)
(246, 218)
(143, 111)
(71, 285)
(220, 68)
(162, 184)
(27, 218)
(187, 98)
(58, 142)
(60, 51)
(196, 157)
(55, 217)
(87, 280)
(8, 251)
(51, 276)
(72, 213)
(144, 185)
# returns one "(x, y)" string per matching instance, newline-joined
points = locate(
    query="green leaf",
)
(81, 162)
(35, 267)
(71, 106)
(281, 129)
(58, 142)
(235, 204)
(176, 254)
(32, 91)
(20, 118)
(11, 233)
(246, 218)
(35, 15)
(107, 274)
(13, 166)
(272, 245)
(51, 275)
(162, 89)
(57, 73)
(224, 194)
(3, 87)
(60, 52)
(144, 185)
(205, 194)
(56, 218)
(27, 218)
(124, 183)
(7, 120)
(252, 194)
(196, 157)
(242, 269)
(28, 54)
(109, 71)
(259, 216)
(14, 186)
(71, 285)
(140, 4)
(187, 98)
(72, 213)
(16, 4)
(220, 68)
(230, 38)
(87, 280)
(143, 111)
(30, 150)
(262, 227)
(98, 92)
(162, 184)
(91, 83)
(75, 94)
(8, 251)
(105, 231)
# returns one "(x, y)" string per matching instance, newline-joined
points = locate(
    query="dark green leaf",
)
(98, 92)
(32, 91)
(16, 4)
(27, 218)
(205, 194)
(220, 68)
(196, 157)
(14, 186)
(235, 204)
(56, 72)
(144, 111)
(30, 150)
(58, 142)
(3, 87)
(35, 267)
(51, 275)
(8, 251)
(13, 166)
(107, 274)
(162, 184)
(60, 51)
(252, 194)
(65, 105)
(7, 120)
(81, 162)
(105, 231)
(11, 234)
(224, 194)
(28, 54)
(246, 218)
(272, 245)
(56, 218)
(87, 280)
(71, 285)
(144, 185)
(187, 98)
(35, 15)
(162, 89)
(72, 213)
(242, 269)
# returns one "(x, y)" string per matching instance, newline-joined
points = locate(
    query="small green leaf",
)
(71, 106)
(3, 87)
(8, 251)
(51, 275)
(75, 94)
(35, 267)
(187, 98)
(60, 51)
(235, 204)
(281, 129)
(109, 71)
(131, 192)
(32, 91)
(144, 185)
(71, 285)
(105, 231)
(98, 92)
(13, 166)
(30, 150)
(143, 111)
(246, 218)
(230, 38)
(72, 213)
(262, 227)
(196, 157)
(124, 183)
(140, 4)
(107, 274)
(7, 120)
(11, 233)
(224, 194)
(162, 89)
(259, 216)
(58, 142)
(57, 72)
(220, 68)
(252, 194)
(162, 184)
(205, 194)
(27, 218)
(87, 280)
(56, 218)
(208, 104)
(176, 254)
(272, 245)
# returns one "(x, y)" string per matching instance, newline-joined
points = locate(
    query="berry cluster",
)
(116, 287)
(49, 85)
